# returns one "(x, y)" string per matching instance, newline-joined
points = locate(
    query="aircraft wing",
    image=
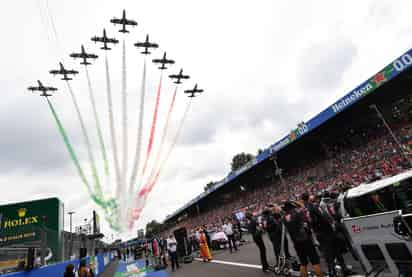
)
(71, 72)
(91, 56)
(50, 88)
(33, 88)
(54, 72)
(112, 40)
(116, 21)
(98, 39)
(76, 55)
(130, 22)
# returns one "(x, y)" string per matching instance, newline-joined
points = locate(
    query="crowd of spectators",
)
(358, 156)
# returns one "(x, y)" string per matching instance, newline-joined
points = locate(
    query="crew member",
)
(228, 230)
(256, 231)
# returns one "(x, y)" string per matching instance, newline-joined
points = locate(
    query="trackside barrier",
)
(57, 270)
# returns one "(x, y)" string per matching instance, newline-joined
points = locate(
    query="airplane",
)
(178, 77)
(65, 72)
(84, 56)
(43, 89)
(146, 45)
(192, 92)
(163, 61)
(123, 21)
(105, 40)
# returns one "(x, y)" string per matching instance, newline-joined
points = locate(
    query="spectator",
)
(228, 230)
(69, 271)
(172, 249)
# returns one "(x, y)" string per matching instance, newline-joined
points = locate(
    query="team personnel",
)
(172, 249)
(228, 230)
(256, 231)
(274, 229)
(297, 225)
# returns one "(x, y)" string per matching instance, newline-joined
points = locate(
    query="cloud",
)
(323, 64)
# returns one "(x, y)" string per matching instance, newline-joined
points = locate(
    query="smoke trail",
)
(174, 142)
(141, 197)
(98, 189)
(163, 139)
(136, 162)
(124, 104)
(69, 147)
(111, 124)
(98, 127)
(152, 131)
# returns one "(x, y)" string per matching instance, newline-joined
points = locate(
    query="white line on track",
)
(232, 263)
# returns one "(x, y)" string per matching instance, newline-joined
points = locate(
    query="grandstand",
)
(344, 145)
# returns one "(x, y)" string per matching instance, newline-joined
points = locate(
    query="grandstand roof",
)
(369, 86)
(367, 188)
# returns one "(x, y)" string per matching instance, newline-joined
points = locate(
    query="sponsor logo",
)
(356, 229)
(20, 221)
(352, 97)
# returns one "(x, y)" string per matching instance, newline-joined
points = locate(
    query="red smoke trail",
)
(141, 197)
(153, 129)
(164, 135)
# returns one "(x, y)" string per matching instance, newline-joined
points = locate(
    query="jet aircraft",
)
(105, 40)
(83, 55)
(163, 61)
(192, 92)
(123, 21)
(178, 77)
(65, 72)
(146, 45)
(42, 88)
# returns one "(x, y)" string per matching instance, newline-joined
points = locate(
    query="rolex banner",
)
(25, 224)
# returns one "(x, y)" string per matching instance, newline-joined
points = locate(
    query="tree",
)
(209, 186)
(240, 160)
(153, 228)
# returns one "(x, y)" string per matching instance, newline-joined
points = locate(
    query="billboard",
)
(23, 224)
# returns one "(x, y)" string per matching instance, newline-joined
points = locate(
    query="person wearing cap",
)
(256, 231)
(296, 222)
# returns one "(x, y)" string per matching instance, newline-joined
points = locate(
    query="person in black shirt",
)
(296, 223)
(256, 231)
(322, 224)
(274, 229)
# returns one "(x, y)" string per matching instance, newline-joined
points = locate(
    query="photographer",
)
(296, 223)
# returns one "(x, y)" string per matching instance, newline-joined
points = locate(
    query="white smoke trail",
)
(136, 163)
(111, 125)
(98, 189)
(121, 189)
(97, 122)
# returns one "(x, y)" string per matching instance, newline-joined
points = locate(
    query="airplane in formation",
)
(65, 72)
(105, 40)
(146, 45)
(179, 77)
(84, 55)
(192, 92)
(163, 61)
(123, 21)
(42, 88)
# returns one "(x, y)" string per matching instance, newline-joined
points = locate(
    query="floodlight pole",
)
(278, 170)
(71, 234)
(385, 123)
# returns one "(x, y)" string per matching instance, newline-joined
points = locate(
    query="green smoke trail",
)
(69, 147)
(109, 206)
(98, 127)
(98, 189)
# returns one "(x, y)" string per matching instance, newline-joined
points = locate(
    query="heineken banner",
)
(27, 223)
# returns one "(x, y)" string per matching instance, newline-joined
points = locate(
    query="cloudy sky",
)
(265, 66)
